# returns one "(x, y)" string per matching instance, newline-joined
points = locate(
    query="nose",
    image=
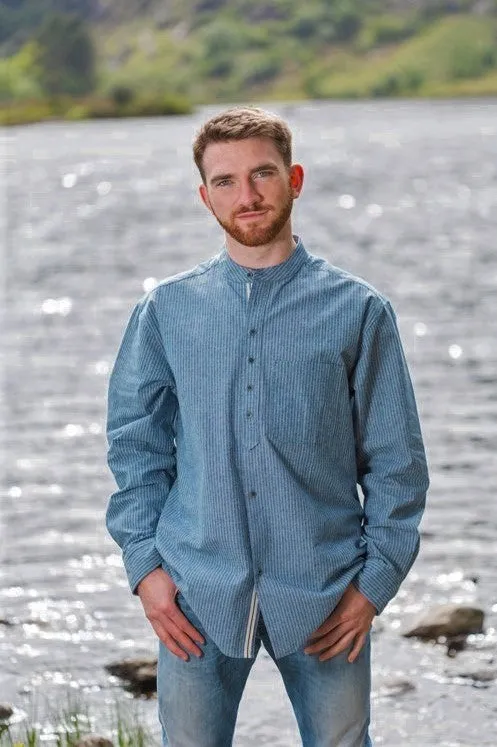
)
(249, 195)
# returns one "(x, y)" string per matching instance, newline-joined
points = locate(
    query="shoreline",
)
(67, 109)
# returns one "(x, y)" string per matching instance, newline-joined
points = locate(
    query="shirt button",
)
(251, 360)
(249, 414)
(253, 331)
(252, 493)
(249, 387)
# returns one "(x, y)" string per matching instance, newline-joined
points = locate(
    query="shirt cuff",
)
(140, 559)
(377, 583)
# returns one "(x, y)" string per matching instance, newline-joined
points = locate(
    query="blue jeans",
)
(198, 699)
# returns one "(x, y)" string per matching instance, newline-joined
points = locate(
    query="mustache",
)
(252, 209)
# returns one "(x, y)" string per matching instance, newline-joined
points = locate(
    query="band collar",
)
(282, 271)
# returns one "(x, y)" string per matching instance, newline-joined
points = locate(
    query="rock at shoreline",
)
(449, 621)
(94, 741)
(6, 711)
(395, 686)
(140, 675)
(474, 666)
(483, 674)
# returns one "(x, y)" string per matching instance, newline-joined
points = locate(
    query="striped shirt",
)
(246, 407)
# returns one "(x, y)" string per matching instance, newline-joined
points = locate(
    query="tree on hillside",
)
(67, 55)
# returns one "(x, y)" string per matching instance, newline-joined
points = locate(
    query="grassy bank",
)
(124, 104)
(68, 725)
(456, 56)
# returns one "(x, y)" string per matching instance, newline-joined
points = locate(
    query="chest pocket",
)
(303, 398)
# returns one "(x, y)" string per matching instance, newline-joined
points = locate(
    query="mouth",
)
(251, 215)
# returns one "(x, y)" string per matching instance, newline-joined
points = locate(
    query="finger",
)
(183, 639)
(175, 649)
(356, 650)
(168, 641)
(327, 641)
(166, 627)
(339, 647)
(177, 616)
(330, 624)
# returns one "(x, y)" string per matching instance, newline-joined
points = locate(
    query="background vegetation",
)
(79, 58)
(70, 724)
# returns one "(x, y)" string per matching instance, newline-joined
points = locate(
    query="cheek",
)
(225, 207)
(224, 201)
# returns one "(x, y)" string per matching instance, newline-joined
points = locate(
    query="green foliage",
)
(158, 105)
(8, 25)
(23, 113)
(263, 11)
(235, 50)
(67, 56)
(121, 94)
(202, 6)
(437, 8)
(221, 41)
(386, 29)
(259, 69)
(312, 22)
(472, 60)
(398, 83)
(21, 18)
(430, 63)
(67, 726)
(346, 18)
(454, 48)
(19, 75)
(145, 105)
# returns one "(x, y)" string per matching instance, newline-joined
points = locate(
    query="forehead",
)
(234, 155)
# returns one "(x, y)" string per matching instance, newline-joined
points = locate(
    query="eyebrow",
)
(262, 167)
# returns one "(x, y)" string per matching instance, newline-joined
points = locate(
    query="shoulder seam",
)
(333, 269)
(187, 274)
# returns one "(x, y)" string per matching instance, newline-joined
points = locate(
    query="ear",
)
(202, 190)
(296, 179)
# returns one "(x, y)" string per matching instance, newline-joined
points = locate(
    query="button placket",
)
(251, 360)
(257, 303)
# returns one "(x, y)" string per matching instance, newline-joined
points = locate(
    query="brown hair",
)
(239, 123)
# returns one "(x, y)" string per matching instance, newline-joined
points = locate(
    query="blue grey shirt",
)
(245, 409)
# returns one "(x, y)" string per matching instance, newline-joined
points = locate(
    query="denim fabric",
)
(245, 409)
(198, 699)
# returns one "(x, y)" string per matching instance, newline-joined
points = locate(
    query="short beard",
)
(258, 236)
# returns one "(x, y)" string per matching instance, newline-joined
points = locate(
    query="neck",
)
(265, 255)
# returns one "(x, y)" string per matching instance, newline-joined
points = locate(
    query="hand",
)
(157, 592)
(349, 623)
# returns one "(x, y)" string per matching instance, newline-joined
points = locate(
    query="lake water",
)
(401, 193)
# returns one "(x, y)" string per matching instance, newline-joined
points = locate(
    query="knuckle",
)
(161, 610)
(153, 617)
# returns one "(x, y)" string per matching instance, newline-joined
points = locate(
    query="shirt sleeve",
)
(140, 432)
(391, 460)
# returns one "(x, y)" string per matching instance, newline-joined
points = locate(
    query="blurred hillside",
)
(232, 50)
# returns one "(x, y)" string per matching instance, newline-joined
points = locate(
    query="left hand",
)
(348, 624)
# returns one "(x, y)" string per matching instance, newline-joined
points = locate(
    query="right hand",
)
(157, 592)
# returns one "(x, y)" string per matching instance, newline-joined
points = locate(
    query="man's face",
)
(249, 189)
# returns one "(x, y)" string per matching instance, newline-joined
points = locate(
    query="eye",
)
(263, 173)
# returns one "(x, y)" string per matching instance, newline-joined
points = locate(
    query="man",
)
(249, 399)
